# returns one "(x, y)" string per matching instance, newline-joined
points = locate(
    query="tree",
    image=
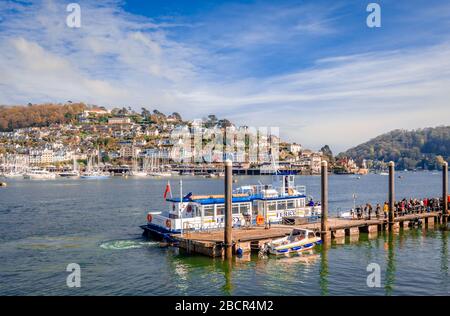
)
(327, 153)
(145, 113)
(177, 116)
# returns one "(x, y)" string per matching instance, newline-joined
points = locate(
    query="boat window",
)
(209, 210)
(198, 212)
(245, 209)
(272, 206)
(311, 235)
(290, 204)
(281, 205)
(220, 209)
(235, 209)
(300, 202)
(255, 209)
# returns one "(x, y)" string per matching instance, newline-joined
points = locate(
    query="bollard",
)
(445, 191)
(324, 201)
(391, 194)
(228, 206)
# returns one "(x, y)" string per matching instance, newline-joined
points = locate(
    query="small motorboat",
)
(347, 215)
(299, 240)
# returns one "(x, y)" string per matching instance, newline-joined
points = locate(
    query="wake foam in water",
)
(126, 244)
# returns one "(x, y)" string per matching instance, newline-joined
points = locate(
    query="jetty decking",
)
(211, 243)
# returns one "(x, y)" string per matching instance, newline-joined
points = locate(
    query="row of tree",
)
(422, 148)
(13, 117)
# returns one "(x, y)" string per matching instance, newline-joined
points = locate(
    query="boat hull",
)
(94, 177)
(159, 233)
(39, 177)
(294, 249)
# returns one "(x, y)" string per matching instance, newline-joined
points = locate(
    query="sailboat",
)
(155, 169)
(94, 173)
(71, 173)
(15, 169)
(135, 172)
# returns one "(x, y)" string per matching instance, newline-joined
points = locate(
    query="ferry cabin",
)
(209, 212)
(249, 204)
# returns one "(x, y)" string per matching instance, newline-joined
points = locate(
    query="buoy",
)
(259, 220)
(149, 218)
(239, 251)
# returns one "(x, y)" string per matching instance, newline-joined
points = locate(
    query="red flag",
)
(167, 190)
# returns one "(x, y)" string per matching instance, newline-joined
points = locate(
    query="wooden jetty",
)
(227, 241)
(211, 243)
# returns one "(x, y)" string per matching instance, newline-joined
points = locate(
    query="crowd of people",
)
(403, 207)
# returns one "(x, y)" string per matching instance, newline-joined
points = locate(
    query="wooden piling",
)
(324, 201)
(444, 191)
(391, 194)
(228, 238)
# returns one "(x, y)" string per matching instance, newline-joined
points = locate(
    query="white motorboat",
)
(299, 240)
(347, 215)
(95, 175)
(12, 175)
(138, 174)
(159, 174)
(39, 174)
(69, 174)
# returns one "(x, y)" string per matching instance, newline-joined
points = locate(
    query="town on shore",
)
(118, 140)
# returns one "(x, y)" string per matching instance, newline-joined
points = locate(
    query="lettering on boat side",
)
(374, 278)
(74, 278)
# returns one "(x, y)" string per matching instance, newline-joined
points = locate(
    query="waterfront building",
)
(119, 120)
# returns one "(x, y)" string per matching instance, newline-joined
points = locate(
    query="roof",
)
(250, 198)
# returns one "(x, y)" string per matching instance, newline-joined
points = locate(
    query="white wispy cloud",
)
(120, 59)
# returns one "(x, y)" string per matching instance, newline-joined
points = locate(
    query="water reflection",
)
(444, 257)
(323, 280)
(227, 288)
(390, 267)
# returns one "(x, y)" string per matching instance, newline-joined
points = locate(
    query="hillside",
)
(38, 115)
(422, 148)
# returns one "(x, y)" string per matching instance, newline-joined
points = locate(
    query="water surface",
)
(45, 225)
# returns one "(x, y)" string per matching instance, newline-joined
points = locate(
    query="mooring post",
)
(324, 201)
(228, 206)
(445, 191)
(391, 194)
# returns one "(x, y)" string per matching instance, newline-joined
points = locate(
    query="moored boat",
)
(251, 205)
(95, 175)
(298, 241)
(39, 174)
(69, 174)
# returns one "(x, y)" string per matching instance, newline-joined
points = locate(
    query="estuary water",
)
(45, 225)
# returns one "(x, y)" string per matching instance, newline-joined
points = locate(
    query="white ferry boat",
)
(254, 204)
(39, 174)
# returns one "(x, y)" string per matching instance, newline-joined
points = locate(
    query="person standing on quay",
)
(378, 211)
(385, 209)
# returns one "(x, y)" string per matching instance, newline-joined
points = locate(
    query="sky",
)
(312, 68)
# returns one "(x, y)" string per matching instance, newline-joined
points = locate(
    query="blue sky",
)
(312, 68)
